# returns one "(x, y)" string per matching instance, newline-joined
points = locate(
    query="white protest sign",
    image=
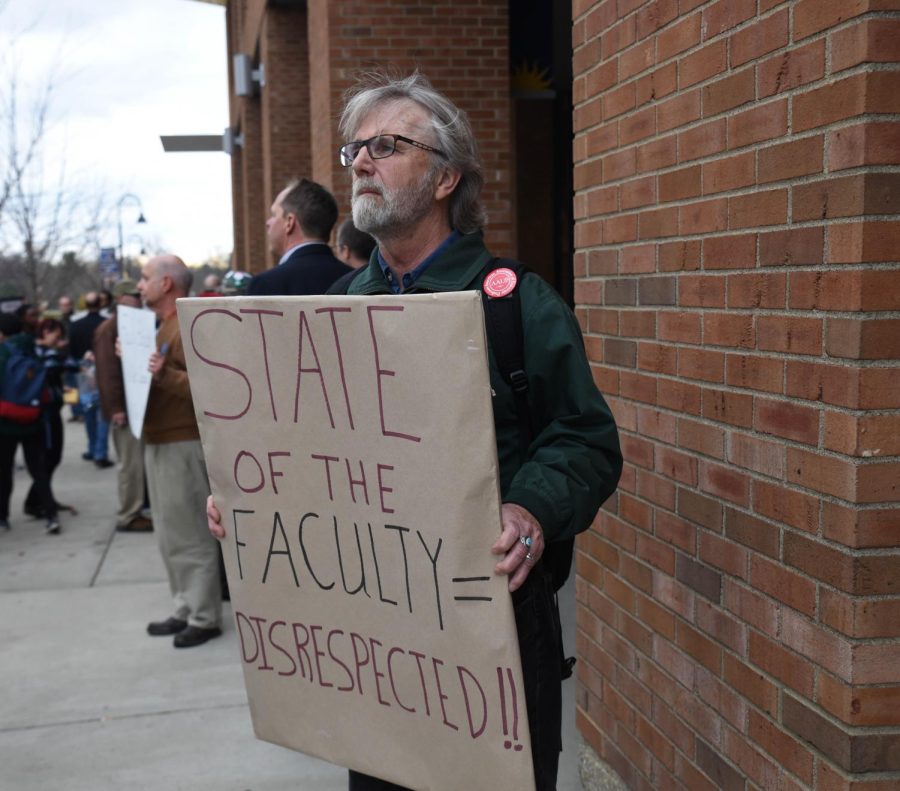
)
(350, 448)
(137, 334)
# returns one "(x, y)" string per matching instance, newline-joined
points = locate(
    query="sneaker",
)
(53, 526)
(4, 524)
(103, 463)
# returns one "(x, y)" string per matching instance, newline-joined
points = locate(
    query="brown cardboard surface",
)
(351, 452)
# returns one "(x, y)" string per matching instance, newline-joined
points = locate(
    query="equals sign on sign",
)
(466, 580)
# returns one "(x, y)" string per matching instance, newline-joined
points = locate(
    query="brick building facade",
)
(738, 233)
(310, 52)
(736, 172)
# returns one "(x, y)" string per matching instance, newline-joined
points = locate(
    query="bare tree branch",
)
(41, 213)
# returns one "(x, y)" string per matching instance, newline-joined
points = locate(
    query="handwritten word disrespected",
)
(395, 676)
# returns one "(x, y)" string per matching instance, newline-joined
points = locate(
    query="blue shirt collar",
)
(409, 279)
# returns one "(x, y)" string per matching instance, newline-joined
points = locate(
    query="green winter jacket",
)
(574, 462)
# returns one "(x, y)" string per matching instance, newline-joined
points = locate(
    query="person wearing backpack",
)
(417, 178)
(23, 398)
(50, 347)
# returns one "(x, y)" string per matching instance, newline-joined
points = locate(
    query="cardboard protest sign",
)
(137, 334)
(351, 452)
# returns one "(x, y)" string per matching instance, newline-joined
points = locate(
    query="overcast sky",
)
(127, 72)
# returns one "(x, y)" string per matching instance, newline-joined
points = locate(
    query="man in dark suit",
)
(298, 228)
(81, 345)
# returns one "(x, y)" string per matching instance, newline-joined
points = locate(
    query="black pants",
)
(34, 450)
(538, 629)
(52, 431)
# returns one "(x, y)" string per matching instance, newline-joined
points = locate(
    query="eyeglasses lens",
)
(379, 147)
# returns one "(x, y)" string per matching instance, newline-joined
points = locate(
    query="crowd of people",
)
(46, 364)
(417, 179)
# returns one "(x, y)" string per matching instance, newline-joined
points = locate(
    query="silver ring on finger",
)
(529, 558)
(525, 541)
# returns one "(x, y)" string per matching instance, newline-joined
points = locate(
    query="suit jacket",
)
(81, 334)
(309, 270)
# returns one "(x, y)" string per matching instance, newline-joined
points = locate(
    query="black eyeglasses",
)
(379, 147)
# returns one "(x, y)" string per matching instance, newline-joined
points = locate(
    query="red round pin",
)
(499, 282)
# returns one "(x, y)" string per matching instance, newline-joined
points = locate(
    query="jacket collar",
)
(454, 270)
(304, 248)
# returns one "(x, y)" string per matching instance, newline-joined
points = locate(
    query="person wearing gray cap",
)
(110, 383)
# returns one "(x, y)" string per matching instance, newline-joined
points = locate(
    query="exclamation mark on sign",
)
(514, 702)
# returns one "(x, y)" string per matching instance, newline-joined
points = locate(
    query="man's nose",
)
(362, 162)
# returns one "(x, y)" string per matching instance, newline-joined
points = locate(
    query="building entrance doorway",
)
(541, 81)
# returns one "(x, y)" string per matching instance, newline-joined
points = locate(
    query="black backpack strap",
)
(342, 284)
(503, 321)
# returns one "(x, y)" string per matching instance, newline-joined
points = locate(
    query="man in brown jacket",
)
(129, 450)
(176, 471)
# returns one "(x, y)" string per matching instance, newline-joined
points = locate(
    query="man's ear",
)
(290, 223)
(447, 182)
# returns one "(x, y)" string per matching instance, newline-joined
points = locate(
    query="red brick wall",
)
(254, 202)
(274, 122)
(460, 45)
(233, 15)
(738, 238)
(285, 101)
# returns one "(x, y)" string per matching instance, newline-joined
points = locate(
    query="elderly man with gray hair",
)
(176, 471)
(417, 181)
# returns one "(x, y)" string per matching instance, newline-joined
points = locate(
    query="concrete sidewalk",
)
(90, 702)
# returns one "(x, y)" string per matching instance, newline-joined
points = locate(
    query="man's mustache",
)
(368, 185)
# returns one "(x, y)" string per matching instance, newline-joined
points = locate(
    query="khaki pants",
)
(130, 453)
(176, 477)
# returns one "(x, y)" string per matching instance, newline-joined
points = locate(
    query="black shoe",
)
(195, 635)
(87, 456)
(166, 627)
(104, 463)
(140, 524)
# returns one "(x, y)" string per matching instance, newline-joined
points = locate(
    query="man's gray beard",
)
(396, 212)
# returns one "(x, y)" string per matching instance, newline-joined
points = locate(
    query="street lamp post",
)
(128, 196)
(136, 237)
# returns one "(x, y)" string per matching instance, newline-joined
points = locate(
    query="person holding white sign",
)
(417, 178)
(111, 384)
(176, 470)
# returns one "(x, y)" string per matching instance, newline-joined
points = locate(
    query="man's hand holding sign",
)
(521, 543)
